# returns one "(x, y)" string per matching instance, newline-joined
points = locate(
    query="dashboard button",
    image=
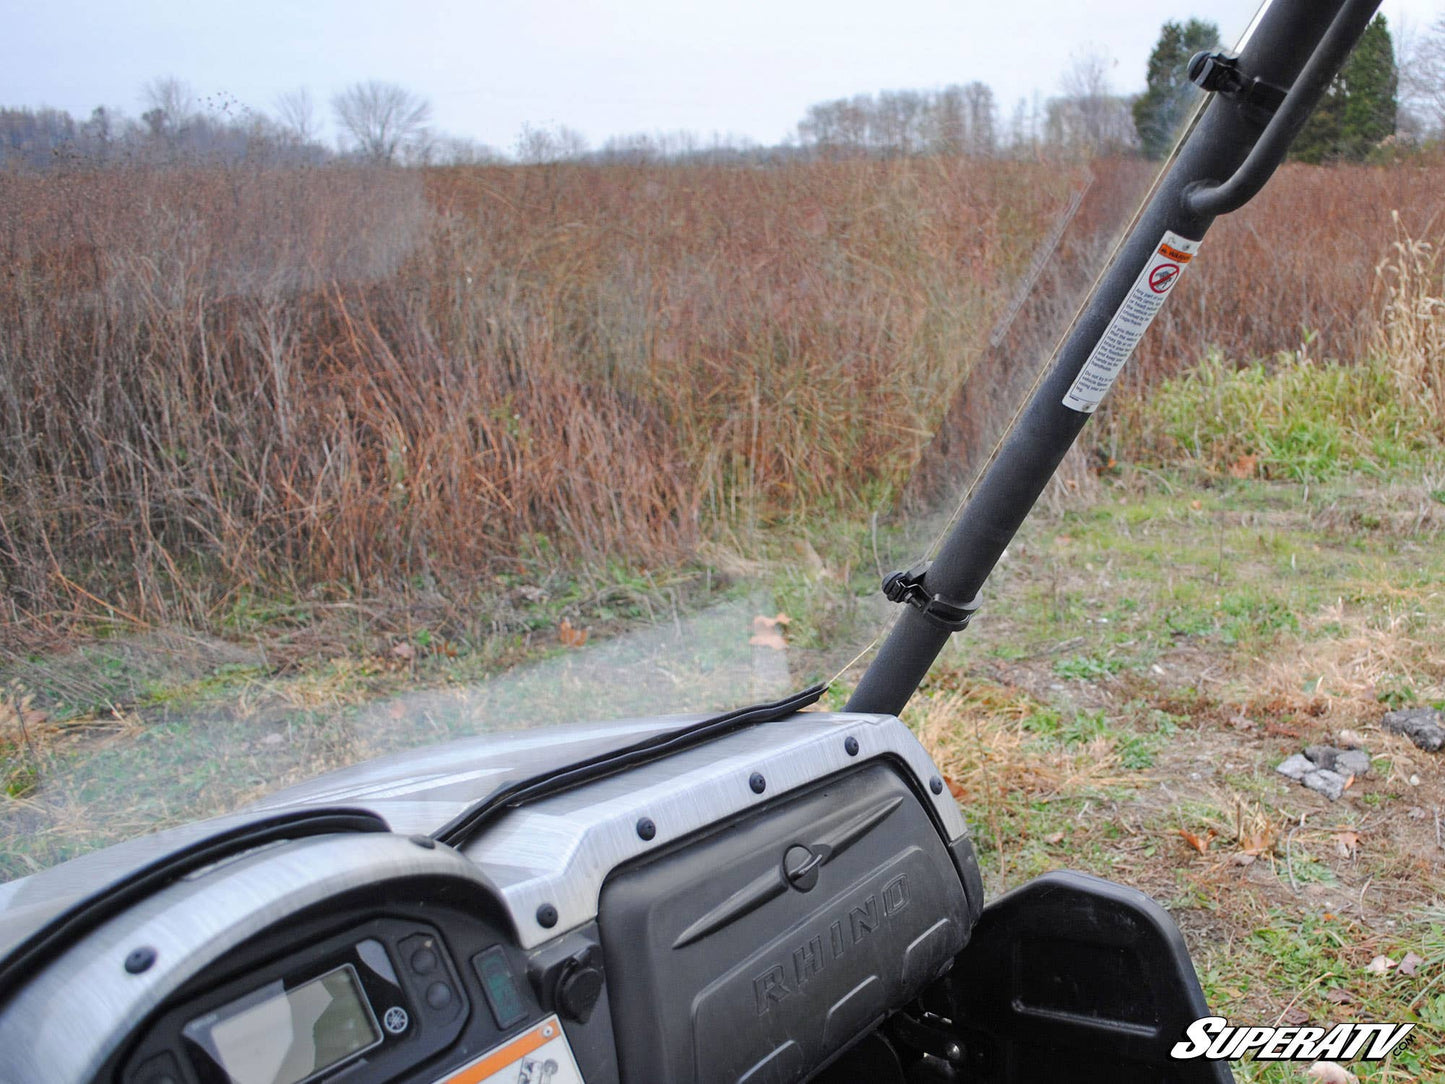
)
(424, 960)
(438, 995)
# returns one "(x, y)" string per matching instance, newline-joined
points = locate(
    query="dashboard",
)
(742, 910)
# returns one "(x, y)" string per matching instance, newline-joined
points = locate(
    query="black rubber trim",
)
(460, 828)
(79, 919)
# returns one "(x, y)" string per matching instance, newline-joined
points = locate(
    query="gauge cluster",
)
(386, 994)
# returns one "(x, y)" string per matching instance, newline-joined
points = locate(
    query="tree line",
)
(1385, 96)
(377, 121)
(1361, 114)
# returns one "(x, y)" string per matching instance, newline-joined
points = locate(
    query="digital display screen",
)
(278, 1036)
(497, 983)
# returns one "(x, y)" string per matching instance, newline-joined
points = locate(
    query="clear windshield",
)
(326, 439)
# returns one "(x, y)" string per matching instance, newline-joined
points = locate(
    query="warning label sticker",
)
(538, 1056)
(1145, 299)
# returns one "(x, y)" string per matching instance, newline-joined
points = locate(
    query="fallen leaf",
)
(1295, 1016)
(1255, 844)
(954, 788)
(1057, 837)
(1329, 1072)
(1347, 843)
(1339, 997)
(762, 622)
(1245, 859)
(1199, 843)
(1410, 963)
(1243, 467)
(1196, 505)
(772, 638)
(1379, 965)
(404, 651)
(570, 634)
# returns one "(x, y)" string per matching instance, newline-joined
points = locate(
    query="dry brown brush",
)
(223, 383)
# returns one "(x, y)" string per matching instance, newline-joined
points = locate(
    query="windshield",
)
(336, 427)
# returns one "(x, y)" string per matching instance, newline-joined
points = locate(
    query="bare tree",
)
(839, 126)
(1089, 117)
(296, 113)
(1422, 80)
(463, 151)
(982, 115)
(954, 120)
(539, 146)
(899, 114)
(383, 119)
(170, 103)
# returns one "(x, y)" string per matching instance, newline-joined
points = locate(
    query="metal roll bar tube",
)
(1232, 151)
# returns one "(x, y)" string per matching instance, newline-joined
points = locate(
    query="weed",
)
(1087, 667)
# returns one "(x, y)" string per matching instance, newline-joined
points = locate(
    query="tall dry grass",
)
(218, 383)
(1296, 265)
(224, 382)
(1411, 327)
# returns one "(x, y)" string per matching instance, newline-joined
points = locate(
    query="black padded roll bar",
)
(1236, 146)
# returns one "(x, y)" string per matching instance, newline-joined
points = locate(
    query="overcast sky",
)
(744, 67)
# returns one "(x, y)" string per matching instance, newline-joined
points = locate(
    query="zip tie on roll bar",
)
(908, 587)
(1220, 73)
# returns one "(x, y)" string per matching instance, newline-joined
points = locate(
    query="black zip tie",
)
(908, 587)
(1220, 73)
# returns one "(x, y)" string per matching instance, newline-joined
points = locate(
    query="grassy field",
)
(1160, 636)
(233, 396)
(1151, 651)
(266, 517)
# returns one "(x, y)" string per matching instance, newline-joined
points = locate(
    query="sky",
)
(740, 68)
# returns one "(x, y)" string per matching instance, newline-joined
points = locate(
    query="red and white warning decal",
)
(1142, 303)
(539, 1055)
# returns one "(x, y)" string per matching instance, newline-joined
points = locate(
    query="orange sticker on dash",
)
(494, 1061)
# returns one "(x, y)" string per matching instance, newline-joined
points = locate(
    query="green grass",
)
(1162, 645)
(1294, 418)
(1321, 960)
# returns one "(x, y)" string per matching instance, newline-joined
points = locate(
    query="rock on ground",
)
(1296, 767)
(1325, 769)
(1420, 725)
(1330, 784)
